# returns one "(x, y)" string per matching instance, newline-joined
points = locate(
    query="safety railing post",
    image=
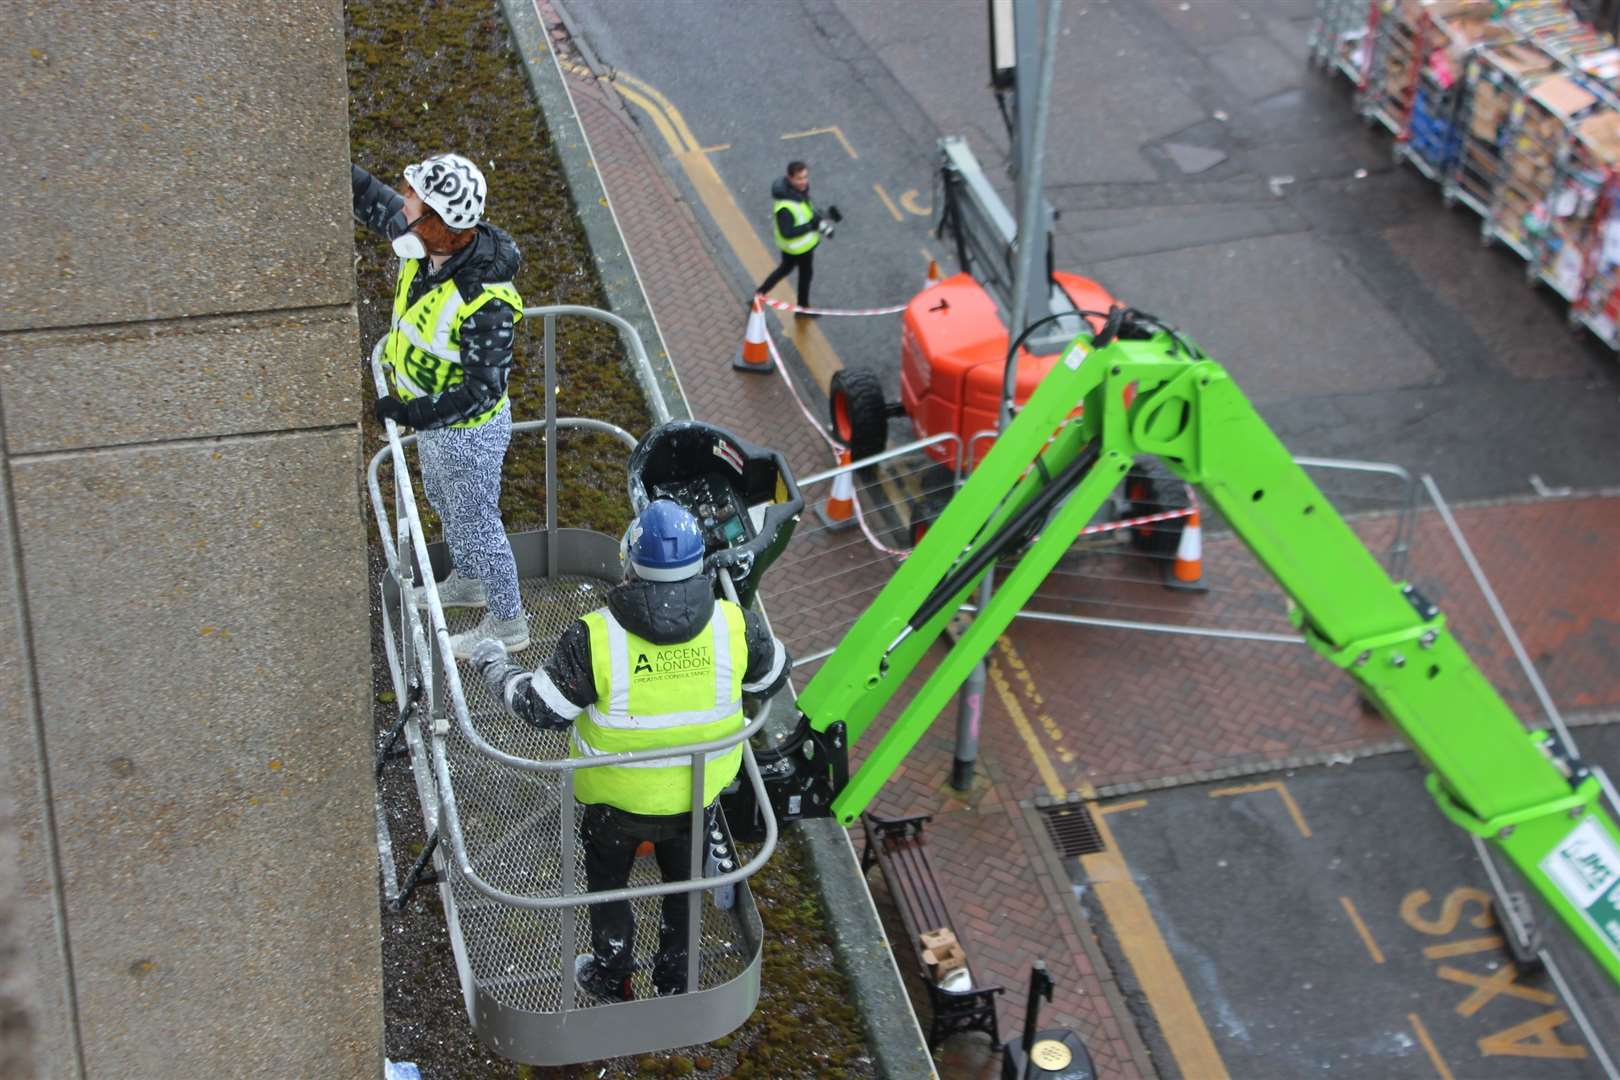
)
(550, 354)
(570, 913)
(694, 862)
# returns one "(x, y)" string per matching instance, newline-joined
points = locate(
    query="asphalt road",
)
(1331, 921)
(1202, 170)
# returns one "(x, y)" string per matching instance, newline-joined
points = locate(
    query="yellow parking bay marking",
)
(1435, 1059)
(716, 148)
(757, 260)
(1489, 943)
(1270, 785)
(1373, 950)
(830, 130)
(1127, 910)
(894, 210)
(911, 200)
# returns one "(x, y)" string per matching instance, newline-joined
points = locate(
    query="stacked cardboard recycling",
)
(1550, 111)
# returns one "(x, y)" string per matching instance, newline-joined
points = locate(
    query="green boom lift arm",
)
(1033, 493)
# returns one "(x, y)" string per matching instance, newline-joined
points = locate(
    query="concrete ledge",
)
(863, 950)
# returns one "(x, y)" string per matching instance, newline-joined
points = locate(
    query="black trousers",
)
(805, 264)
(610, 837)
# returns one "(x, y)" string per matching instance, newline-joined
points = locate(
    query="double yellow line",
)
(757, 260)
(1127, 909)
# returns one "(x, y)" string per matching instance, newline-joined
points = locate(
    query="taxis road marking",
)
(829, 130)
(1435, 1059)
(1270, 785)
(1373, 950)
(1180, 1024)
(894, 211)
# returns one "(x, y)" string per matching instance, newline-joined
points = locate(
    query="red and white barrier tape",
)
(860, 515)
(783, 305)
(1146, 519)
(834, 446)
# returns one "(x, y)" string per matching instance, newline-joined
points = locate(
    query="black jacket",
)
(662, 612)
(784, 220)
(485, 336)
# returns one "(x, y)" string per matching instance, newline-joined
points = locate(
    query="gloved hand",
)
(390, 408)
(488, 656)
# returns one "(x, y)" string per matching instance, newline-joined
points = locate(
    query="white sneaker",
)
(455, 591)
(513, 633)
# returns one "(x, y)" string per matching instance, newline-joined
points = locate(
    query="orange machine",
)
(953, 351)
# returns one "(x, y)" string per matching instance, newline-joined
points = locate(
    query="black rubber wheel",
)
(857, 412)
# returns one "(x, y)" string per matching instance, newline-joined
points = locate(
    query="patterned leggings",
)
(461, 472)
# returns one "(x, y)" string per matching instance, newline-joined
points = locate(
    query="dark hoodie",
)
(664, 613)
(485, 336)
(784, 220)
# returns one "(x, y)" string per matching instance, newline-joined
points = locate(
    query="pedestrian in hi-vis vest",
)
(665, 663)
(798, 228)
(448, 354)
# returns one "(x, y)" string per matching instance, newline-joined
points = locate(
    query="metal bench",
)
(896, 846)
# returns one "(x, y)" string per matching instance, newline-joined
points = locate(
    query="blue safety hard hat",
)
(664, 543)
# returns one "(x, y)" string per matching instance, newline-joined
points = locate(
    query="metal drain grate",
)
(1071, 830)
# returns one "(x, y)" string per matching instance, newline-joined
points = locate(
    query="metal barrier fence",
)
(499, 794)
(838, 567)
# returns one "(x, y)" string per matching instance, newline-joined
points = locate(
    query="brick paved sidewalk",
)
(1101, 707)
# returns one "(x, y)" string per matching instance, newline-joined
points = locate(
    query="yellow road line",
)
(1118, 807)
(1026, 731)
(831, 130)
(888, 202)
(1435, 1059)
(1145, 950)
(715, 149)
(1282, 791)
(1166, 991)
(1373, 950)
(817, 353)
(1465, 947)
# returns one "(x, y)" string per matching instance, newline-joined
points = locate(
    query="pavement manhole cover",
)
(1071, 830)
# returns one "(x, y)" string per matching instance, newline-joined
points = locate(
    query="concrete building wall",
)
(184, 672)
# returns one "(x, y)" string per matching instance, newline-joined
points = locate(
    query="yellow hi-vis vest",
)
(424, 346)
(650, 696)
(801, 211)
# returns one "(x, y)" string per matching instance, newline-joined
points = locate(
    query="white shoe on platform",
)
(513, 633)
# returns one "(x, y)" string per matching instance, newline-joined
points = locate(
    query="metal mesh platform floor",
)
(511, 824)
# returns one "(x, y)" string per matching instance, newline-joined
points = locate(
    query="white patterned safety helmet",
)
(452, 186)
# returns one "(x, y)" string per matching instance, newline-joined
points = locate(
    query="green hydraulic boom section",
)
(1048, 474)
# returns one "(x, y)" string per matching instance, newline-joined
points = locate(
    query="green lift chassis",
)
(1042, 482)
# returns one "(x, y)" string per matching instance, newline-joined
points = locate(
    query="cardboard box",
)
(941, 938)
(1601, 134)
(941, 963)
(1561, 96)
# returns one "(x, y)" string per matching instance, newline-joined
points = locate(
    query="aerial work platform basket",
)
(497, 794)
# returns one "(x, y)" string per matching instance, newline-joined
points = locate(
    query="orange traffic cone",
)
(838, 512)
(933, 274)
(1188, 571)
(754, 355)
